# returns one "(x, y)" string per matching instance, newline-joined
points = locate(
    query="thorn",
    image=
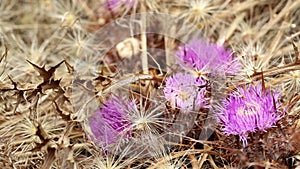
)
(69, 67)
(46, 74)
(263, 82)
(41, 70)
(52, 69)
(296, 51)
(274, 102)
(63, 116)
(13, 82)
(4, 53)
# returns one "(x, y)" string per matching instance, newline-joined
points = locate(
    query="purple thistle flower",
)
(109, 123)
(186, 92)
(114, 5)
(203, 58)
(249, 111)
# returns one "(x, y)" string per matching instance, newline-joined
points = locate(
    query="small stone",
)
(127, 48)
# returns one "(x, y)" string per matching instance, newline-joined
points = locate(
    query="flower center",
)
(184, 95)
(141, 123)
(246, 111)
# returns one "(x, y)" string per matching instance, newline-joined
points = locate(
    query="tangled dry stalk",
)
(49, 50)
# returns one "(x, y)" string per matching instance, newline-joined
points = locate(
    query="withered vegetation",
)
(56, 57)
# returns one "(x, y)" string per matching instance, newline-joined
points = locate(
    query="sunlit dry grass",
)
(60, 60)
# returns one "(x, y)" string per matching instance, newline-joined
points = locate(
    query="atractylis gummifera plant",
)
(149, 84)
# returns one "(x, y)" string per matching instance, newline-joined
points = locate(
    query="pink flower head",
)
(249, 111)
(110, 122)
(204, 57)
(186, 92)
(115, 5)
